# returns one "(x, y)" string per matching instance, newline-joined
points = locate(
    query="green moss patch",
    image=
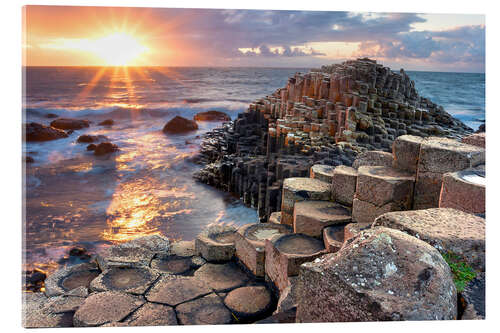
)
(462, 272)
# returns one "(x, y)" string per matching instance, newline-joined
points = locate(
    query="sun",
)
(118, 48)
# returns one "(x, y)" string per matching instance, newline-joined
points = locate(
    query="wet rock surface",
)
(411, 281)
(38, 132)
(69, 123)
(211, 116)
(70, 278)
(104, 148)
(180, 125)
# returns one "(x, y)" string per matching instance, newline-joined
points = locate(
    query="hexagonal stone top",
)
(173, 290)
(219, 233)
(70, 278)
(259, 232)
(298, 244)
(297, 184)
(322, 172)
(323, 210)
(222, 277)
(127, 279)
(248, 301)
(208, 310)
(476, 177)
(385, 173)
(102, 308)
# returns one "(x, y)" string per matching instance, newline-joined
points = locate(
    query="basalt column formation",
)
(327, 116)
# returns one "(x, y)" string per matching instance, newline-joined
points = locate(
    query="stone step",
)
(300, 189)
(344, 184)
(447, 229)
(380, 190)
(437, 157)
(311, 217)
(322, 172)
(464, 190)
(372, 158)
(216, 243)
(250, 243)
(285, 254)
(333, 237)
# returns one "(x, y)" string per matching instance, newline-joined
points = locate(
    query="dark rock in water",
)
(69, 123)
(29, 159)
(86, 138)
(105, 148)
(77, 251)
(91, 147)
(107, 122)
(179, 125)
(51, 115)
(90, 138)
(69, 132)
(212, 116)
(36, 277)
(39, 132)
(482, 128)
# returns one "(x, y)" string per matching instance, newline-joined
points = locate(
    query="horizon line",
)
(217, 66)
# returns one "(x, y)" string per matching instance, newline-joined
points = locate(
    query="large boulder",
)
(180, 125)
(447, 229)
(69, 123)
(211, 116)
(383, 274)
(105, 148)
(39, 132)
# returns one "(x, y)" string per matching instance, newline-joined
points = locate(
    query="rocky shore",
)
(363, 189)
(327, 116)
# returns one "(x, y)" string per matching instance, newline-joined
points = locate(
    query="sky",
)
(100, 36)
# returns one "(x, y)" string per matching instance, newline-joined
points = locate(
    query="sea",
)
(73, 198)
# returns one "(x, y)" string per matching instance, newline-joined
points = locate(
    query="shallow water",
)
(74, 197)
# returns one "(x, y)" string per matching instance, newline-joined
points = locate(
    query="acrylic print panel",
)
(209, 166)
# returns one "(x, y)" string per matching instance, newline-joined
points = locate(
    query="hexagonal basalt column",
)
(300, 189)
(333, 237)
(177, 265)
(464, 190)
(405, 151)
(372, 158)
(344, 184)
(251, 242)
(174, 290)
(249, 303)
(125, 279)
(310, 217)
(222, 277)
(70, 278)
(437, 157)
(102, 308)
(216, 243)
(322, 172)
(380, 190)
(285, 253)
(208, 310)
